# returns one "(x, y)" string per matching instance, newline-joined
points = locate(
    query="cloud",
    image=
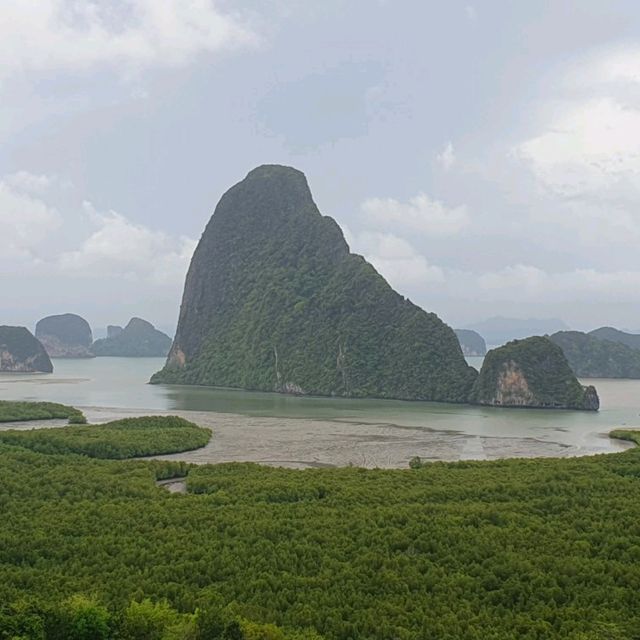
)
(26, 223)
(421, 214)
(121, 248)
(396, 259)
(41, 35)
(446, 158)
(590, 148)
(471, 12)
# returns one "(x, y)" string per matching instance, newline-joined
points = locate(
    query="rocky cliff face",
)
(531, 373)
(591, 357)
(471, 342)
(21, 352)
(65, 336)
(139, 339)
(275, 301)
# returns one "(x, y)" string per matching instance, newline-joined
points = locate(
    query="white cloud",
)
(446, 158)
(421, 214)
(395, 259)
(121, 248)
(589, 148)
(29, 182)
(470, 12)
(25, 221)
(42, 35)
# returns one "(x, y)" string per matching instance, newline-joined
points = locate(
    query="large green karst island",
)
(275, 301)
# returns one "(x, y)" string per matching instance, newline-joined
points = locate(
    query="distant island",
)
(531, 373)
(65, 336)
(499, 330)
(593, 357)
(20, 351)
(139, 339)
(471, 342)
(274, 301)
(631, 340)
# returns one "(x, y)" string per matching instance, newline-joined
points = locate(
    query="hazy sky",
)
(484, 156)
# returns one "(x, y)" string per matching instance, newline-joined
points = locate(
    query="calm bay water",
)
(120, 384)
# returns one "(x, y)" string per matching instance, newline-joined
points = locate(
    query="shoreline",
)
(318, 442)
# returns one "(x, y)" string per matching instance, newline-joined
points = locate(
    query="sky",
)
(483, 156)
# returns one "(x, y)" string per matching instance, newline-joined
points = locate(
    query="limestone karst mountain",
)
(139, 339)
(275, 301)
(20, 351)
(531, 373)
(65, 336)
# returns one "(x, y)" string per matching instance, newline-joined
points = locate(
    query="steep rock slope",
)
(275, 301)
(20, 351)
(139, 339)
(531, 373)
(65, 336)
(591, 357)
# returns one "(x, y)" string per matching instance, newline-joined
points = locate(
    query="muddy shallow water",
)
(316, 432)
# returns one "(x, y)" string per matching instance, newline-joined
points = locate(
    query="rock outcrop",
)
(471, 342)
(591, 357)
(531, 373)
(631, 340)
(114, 330)
(65, 336)
(275, 301)
(20, 351)
(139, 339)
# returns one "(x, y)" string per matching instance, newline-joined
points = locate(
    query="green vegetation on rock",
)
(11, 411)
(471, 342)
(527, 549)
(21, 352)
(139, 339)
(592, 357)
(615, 335)
(531, 373)
(274, 301)
(127, 438)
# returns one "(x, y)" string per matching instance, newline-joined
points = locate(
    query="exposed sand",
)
(304, 442)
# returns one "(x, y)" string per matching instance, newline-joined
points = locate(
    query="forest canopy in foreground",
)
(528, 549)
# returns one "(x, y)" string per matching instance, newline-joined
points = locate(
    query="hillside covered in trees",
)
(592, 357)
(274, 301)
(92, 549)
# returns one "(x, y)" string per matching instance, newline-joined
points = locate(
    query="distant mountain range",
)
(500, 330)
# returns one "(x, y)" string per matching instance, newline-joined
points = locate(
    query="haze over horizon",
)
(482, 156)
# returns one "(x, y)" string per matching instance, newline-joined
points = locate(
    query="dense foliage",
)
(139, 339)
(472, 342)
(531, 373)
(21, 351)
(11, 411)
(527, 549)
(127, 438)
(615, 335)
(626, 434)
(592, 357)
(274, 301)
